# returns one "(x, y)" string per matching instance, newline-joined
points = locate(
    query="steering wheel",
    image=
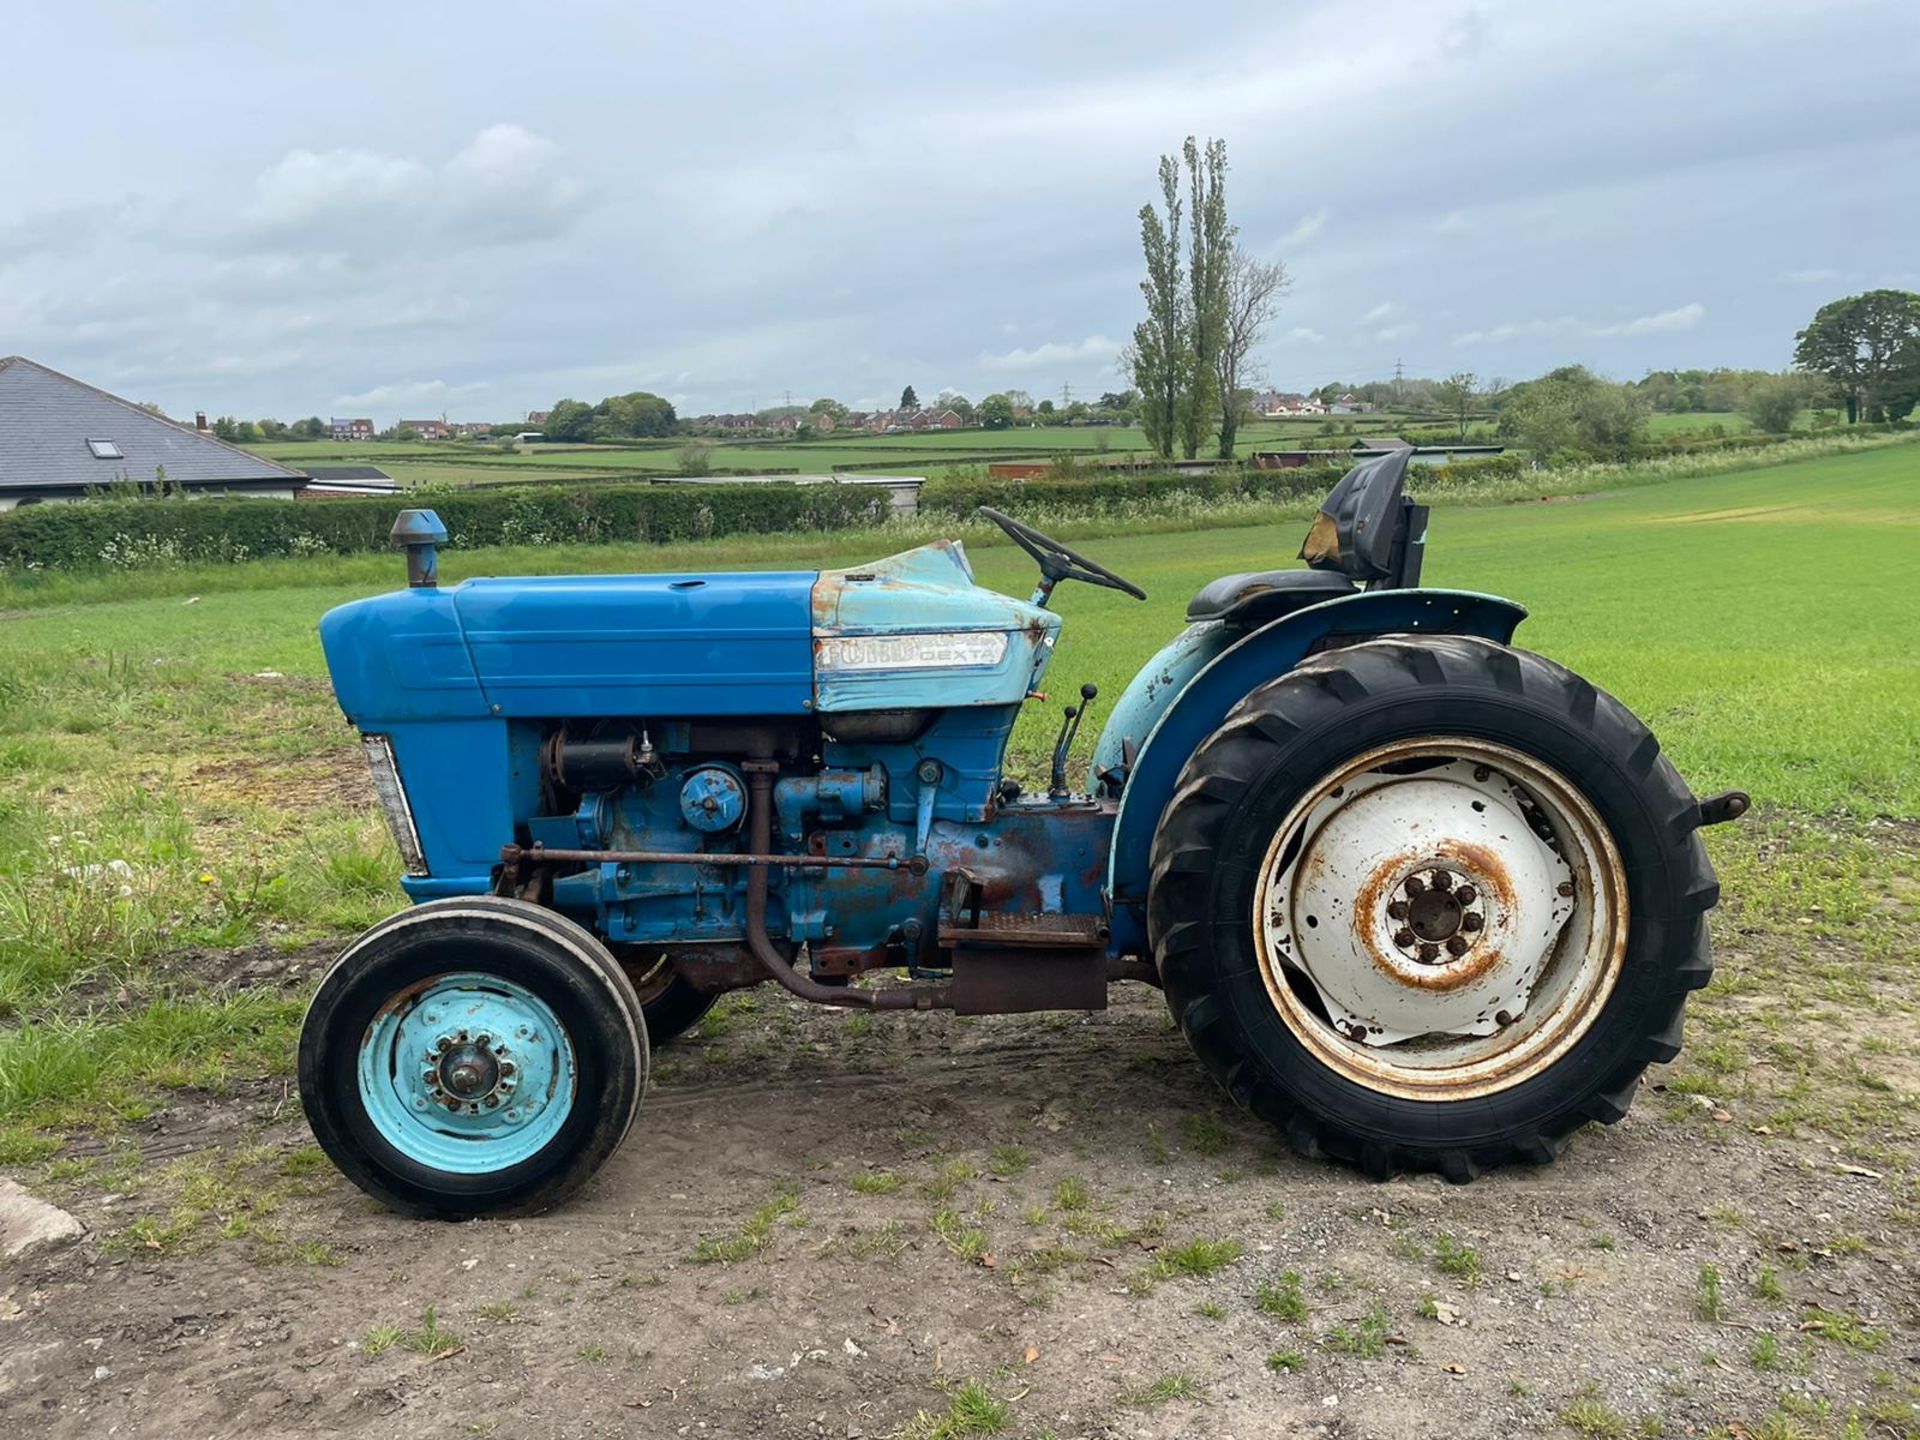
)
(1057, 562)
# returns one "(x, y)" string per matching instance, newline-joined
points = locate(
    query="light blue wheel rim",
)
(525, 1054)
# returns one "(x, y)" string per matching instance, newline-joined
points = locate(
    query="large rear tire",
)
(1430, 903)
(472, 1057)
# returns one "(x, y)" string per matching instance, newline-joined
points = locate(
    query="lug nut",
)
(1566, 887)
(1482, 773)
(1472, 920)
(1429, 952)
(1397, 910)
(1414, 885)
(1403, 937)
(1442, 881)
(1466, 895)
(1457, 945)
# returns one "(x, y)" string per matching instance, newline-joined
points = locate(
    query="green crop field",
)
(175, 778)
(913, 453)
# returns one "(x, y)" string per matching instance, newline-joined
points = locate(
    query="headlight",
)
(945, 650)
(393, 800)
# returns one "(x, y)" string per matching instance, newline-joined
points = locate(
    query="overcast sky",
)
(474, 209)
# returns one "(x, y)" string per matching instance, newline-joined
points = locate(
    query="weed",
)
(1195, 1259)
(1009, 1160)
(1072, 1194)
(1167, 1387)
(1842, 1328)
(1157, 1151)
(878, 1182)
(1282, 1299)
(501, 1312)
(969, 1242)
(380, 1339)
(947, 1180)
(1767, 1285)
(1210, 1310)
(593, 1354)
(430, 1339)
(1765, 1351)
(971, 1410)
(888, 1239)
(752, 1237)
(1460, 1261)
(1285, 1362)
(1365, 1338)
(1587, 1414)
(1208, 1135)
(1707, 1301)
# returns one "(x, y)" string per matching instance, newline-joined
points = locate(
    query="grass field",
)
(173, 771)
(187, 834)
(912, 453)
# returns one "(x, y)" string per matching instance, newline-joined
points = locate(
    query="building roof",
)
(1381, 442)
(57, 432)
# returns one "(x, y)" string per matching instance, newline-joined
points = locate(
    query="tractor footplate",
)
(1011, 963)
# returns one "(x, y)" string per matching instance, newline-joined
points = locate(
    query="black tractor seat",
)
(1263, 596)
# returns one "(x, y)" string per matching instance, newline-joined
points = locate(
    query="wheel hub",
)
(468, 1072)
(1421, 904)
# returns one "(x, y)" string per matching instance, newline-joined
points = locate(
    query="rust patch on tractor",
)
(1479, 865)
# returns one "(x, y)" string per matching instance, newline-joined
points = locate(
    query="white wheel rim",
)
(1441, 918)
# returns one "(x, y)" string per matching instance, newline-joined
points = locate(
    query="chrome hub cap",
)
(1441, 917)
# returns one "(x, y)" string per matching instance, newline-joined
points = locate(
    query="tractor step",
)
(1008, 963)
(1039, 932)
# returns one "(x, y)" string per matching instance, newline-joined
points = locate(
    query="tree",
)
(1045, 407)
(569, 421)
(909, 400)
(1209, 260)
(996, 412)
(1254, 289)
(828, 406)
(1457, 395)
(1573, 412)
(311, 428)
(1868, 345)
(1158, 357)
(1772, 402)
(1020, 400)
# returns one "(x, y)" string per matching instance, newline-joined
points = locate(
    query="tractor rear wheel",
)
(1430, 903)
(472, 1057)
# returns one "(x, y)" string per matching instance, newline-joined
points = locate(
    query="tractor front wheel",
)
(1430, 903)
(472, 1057)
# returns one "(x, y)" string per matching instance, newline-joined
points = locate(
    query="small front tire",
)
(472, 1057)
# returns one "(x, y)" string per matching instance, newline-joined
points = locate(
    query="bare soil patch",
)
(1030, 1194)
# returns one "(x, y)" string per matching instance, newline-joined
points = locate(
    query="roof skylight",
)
(105, 450)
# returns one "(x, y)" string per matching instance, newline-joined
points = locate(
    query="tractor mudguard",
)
(1192, 711)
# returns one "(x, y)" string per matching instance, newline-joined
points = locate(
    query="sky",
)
(472, 210)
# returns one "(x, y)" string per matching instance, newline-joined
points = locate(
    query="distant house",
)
(946, 420)
(1379, 444)
(473, 429)
(361, 429)
(537, 419)
(882, 421)
(1276, 403)
(61, 438)
(426, 429)
(821, 420)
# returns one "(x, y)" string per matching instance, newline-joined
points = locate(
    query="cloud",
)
(1378, 312)
(1394, 332)
(1305, 230)
(1094, 349)
(404, 393)
(506, 185)
(1666, 322)
(1305, 335)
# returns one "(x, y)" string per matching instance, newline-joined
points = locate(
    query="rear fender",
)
(1199, 706)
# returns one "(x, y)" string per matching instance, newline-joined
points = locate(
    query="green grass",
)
(971, 1410)
(753, 1236)
(1282, 1299)
(192, 755)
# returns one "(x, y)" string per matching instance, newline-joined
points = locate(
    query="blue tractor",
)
(1418, 898)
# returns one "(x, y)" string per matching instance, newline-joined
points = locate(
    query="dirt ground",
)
(1030, 1192)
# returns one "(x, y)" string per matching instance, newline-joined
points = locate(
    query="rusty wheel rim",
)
(650, 979)
(1441, 918)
